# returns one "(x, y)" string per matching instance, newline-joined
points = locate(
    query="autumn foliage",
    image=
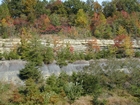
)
(124, 45)
(93, 45)
(104, 21)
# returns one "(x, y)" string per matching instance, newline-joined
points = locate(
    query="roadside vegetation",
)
(109, 84)
(105, 82)
(111, 79)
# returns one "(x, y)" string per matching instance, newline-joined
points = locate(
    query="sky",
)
(99, 1)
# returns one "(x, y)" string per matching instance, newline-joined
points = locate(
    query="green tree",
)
(72, 6)
(127, 5)
(30, 71)
(48, 55)
(15, 8)
(40, 8)
(30, 48)
(57, 7)
(108, 8)
(55, 19)
(34, 53)
(121, 30)
(103, 31)
(4, 11)
(32, 94)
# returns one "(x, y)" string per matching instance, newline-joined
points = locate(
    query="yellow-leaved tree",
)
(81, 18)
(128, 46)
(121, 30)
(29, 8)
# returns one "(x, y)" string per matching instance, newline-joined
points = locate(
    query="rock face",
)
(78, 45)
(9, 70)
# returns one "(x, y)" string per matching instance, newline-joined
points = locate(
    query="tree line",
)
(71, 17)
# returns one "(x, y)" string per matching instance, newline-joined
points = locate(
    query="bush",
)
(31, 94)
(89, 55)
(89, 82)
(137, 54)
(48, 55)
(73, 91)
(65, 55)
(103, 54)
(55, 19)
(1, 56)
(13, 55)
(10, 55)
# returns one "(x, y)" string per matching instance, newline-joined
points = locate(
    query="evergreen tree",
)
(15, 8)
(4, 11)
(30, 48)
(30, 71)
(72, 6)
(40, 8)
(108, 8)
(55, 19)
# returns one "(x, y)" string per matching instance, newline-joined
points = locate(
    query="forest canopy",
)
(71, 17)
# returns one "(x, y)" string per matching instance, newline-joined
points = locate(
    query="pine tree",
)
(30, 71)
(30, 48)
(4, 11)
(15, 8)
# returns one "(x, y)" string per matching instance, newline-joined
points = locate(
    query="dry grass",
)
(119, 101)
(6, 91)
(118, 97)
(84, 100)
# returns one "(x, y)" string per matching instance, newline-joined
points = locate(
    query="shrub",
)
(137, 54)
(103, 54)
(73, 91)
(1, 56)
(48, 55)
(52, 84)
(32, 94)
(10, 55)
(13, 55)
(65, 55)
(55, 19)
(89, 82)
(89, 55)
